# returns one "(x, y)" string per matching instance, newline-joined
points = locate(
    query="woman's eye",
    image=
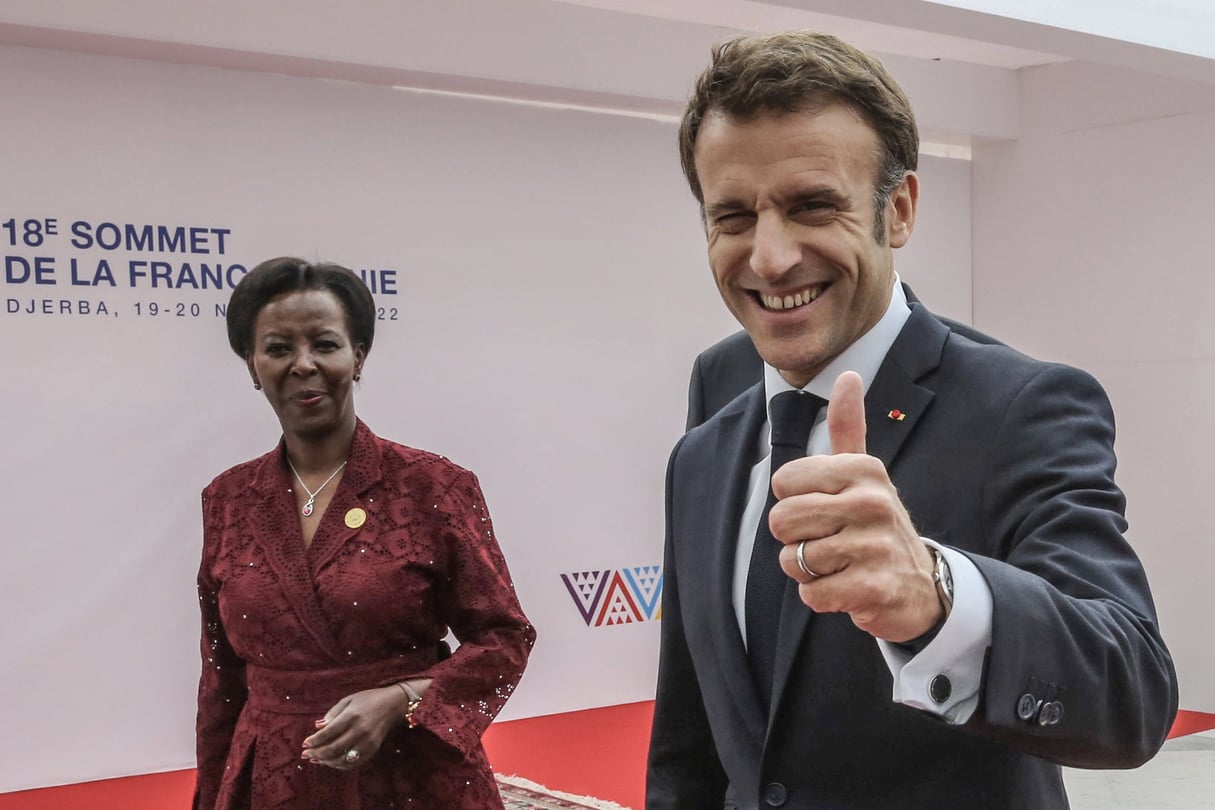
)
(276, 349)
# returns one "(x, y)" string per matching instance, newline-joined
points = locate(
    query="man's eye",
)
(813, 208)
(733, 223)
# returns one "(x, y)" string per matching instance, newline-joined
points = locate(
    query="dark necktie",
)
(793, 414)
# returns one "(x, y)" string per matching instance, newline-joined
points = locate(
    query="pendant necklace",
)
(307, 510)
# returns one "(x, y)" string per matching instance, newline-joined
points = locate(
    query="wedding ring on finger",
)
(801, 561)
(352, 756)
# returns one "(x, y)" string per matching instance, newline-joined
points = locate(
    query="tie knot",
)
(793, 414)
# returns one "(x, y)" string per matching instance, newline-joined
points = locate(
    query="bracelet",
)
(414, 700)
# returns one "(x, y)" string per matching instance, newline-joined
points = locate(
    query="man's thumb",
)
(846, 414)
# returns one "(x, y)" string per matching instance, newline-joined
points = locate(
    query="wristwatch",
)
(942, 578)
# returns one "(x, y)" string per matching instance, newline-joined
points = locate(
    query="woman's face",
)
(303, 359)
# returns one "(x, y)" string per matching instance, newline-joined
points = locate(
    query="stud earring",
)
(358, 377)
(257, 386)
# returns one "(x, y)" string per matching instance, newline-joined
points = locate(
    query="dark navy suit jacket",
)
(1009, 460)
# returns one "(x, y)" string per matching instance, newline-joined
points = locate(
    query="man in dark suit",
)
(954, 611)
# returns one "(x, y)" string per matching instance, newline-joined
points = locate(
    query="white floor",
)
(1180, 777)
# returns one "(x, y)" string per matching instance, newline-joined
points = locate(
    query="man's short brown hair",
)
(803, 71)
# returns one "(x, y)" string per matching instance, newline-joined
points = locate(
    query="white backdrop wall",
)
(1092, 247)
(551, 292)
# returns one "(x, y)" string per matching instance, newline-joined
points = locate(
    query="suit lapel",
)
(894, 404)
(896, 401)
(736, 441)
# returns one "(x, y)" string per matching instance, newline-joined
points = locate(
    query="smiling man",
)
(931, 603)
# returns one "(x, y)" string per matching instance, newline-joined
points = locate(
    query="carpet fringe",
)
(583, 801)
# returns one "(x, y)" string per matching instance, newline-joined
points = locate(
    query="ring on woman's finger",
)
(801, 561)
(352, 756)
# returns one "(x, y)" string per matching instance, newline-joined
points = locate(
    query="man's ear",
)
(900, 212)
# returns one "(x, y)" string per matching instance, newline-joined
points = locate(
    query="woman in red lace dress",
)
(332, 569)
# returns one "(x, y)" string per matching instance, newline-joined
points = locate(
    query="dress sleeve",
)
(479, 604)
(221, 686)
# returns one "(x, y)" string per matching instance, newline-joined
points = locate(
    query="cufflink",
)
(940, 688)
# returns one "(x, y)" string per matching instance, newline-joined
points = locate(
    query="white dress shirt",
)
(958, 649)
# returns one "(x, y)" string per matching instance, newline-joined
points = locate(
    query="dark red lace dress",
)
(287, 632)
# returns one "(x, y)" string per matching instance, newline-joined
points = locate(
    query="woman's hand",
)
(351, 732)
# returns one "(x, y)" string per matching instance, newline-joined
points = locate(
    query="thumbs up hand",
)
(859, 552)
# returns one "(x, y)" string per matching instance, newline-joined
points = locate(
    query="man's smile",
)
(794, 300)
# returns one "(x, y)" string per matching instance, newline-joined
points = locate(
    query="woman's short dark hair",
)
(274, 277)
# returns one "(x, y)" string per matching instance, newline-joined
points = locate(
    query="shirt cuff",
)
(945, 677)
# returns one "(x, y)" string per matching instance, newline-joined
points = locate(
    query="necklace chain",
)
(307, 510)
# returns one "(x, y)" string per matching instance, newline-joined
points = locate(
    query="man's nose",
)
(774, 250)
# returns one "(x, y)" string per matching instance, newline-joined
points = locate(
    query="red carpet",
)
(1191, 723)
(599, 752)
(159, 791)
